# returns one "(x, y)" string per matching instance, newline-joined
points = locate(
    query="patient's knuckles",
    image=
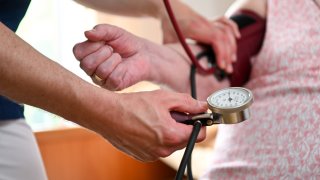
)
(88, 66)
(77, 52)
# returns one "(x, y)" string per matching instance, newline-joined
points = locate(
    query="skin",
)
(118, 57)
(130, 59)
(144, 131)
(166, 65)
(192, 25)
(121, 59)
(60, 92)
(51, 87)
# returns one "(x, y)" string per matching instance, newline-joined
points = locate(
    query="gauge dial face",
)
(230, 98)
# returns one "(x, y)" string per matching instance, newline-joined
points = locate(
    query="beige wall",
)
(209, 8)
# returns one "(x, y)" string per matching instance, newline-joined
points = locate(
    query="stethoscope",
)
(228, 106)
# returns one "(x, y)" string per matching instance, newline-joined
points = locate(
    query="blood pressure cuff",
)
(252, 29)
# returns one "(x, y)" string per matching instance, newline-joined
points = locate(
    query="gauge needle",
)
(230, 99)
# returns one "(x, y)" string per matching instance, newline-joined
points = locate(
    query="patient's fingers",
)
(123, 42)
(116, 79)
(85, 48)
(91, 62)
(107, 67)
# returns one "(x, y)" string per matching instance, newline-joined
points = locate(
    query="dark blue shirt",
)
(11, 13)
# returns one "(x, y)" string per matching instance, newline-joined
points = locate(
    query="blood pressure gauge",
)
(231, 103)
(228, 106)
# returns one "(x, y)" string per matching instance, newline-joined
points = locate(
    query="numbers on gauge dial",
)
(229, 98)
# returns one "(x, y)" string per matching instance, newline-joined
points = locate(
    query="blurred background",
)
(53, 27)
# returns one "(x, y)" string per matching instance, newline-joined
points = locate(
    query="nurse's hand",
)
(222, 36)
(221, 33)
(145, 129)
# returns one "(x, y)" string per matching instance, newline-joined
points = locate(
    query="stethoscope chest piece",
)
(231, 103)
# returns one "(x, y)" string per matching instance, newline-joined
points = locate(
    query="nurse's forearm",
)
(29, 77)
(138, 124)
(152, 8)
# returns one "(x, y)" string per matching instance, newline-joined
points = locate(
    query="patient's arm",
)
(121, 59)
(191, 23)
(205, 84)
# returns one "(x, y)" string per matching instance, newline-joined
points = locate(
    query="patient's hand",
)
(121, 59)
(117, 57)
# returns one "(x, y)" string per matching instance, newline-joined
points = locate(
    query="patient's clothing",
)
(281, 140)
